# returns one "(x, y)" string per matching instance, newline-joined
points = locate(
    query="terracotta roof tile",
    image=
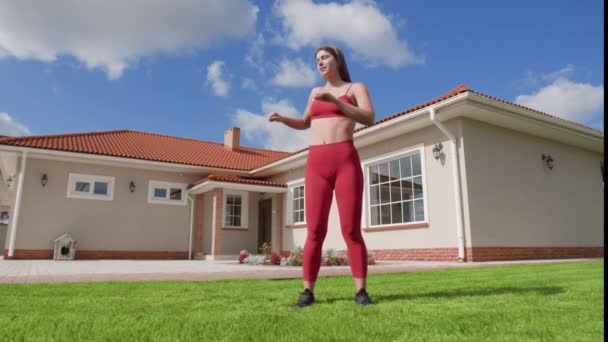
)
(235, 179)
(151, 146)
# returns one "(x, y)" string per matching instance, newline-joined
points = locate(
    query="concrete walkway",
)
(49, 271)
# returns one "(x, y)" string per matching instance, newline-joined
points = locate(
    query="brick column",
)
(199, 210)
(278, 245)
(218, 214)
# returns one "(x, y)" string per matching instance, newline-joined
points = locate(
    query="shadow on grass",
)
(545, 291)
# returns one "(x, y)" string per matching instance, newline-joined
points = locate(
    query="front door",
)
(264, 219)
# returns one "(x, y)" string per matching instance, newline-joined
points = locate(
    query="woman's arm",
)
(302, 123)
(362, 113)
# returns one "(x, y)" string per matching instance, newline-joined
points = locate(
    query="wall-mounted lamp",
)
(44, 179)
(132, 186)
(437, 150)
(548, 160)
(261, 195)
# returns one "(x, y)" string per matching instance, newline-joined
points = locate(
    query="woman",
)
(333, 164)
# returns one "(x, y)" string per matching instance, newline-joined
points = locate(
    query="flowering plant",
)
(243, 255)
(275, 258)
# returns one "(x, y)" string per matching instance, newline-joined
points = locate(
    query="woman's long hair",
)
(339, 56)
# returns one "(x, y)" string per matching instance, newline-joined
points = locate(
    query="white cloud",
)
(214, 77)
(112, 34)
(578, 102)
(10, 127)
(359, 24)
(255, 55)
(295, 74)
(272, 135)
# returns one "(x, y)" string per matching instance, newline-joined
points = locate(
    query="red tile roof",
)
(235, 179)
(456, 91)
(461, 89)
(164, 148)
(150, 146)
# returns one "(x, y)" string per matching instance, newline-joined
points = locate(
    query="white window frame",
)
(291, 186)
(244, 208)
(156, 184)
(386, 158)
(78, 177)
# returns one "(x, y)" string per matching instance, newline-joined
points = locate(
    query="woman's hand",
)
(324, 95)
(274, 116)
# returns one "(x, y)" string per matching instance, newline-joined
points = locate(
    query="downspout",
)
(15, 221)
(455, 181)
(191, 219)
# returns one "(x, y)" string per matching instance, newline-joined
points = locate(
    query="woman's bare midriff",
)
(331, 130)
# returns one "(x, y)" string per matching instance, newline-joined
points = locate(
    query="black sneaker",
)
(306, 299)
(362, 297)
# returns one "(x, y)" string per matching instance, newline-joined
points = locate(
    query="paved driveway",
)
(41, 271)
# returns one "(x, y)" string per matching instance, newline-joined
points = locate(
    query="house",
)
(465, 176)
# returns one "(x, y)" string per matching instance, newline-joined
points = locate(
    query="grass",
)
(535, 302)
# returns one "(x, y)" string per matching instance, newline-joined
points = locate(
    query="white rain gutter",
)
(11, 246)
(191, 219)
(455, 181)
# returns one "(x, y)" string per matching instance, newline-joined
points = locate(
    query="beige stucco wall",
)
(439, 192)
(232, 241)
(517, 201)
(126, 223)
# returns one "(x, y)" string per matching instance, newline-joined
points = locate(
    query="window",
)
(4, 217)
(298, 204)
(166, 192)
(396, 190)
(236, 208)
(90, 186)
(295, 213)
(233, 210)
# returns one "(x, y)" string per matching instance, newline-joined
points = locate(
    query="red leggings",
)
(333, 166)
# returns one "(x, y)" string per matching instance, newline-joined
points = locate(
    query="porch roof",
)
(235, 182)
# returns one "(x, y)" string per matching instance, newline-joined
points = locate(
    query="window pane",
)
(375, 215)
(176, 194)
(160, 193)
(100, 188)
(229, 200)
(408, 211)
(237, 210)
(396, 213)
(385, 213)
(301, 203)
(229, 210)
(237, 200)
(237, 221)
(395, 191)
(419, 210)
(296, 204)
(383, 171)
(406, 189)
(373, 174)
(418, 187)
(406, 167)
(228, 220)
(416, 169)
(83, 187)
(394, 169)
(296, 192)
(384, 193)
(373, 194)
(296, 216)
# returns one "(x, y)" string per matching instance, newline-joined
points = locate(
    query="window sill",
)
(235, 228)
(297, 225)
(397, 227)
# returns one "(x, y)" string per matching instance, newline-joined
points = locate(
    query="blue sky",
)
(194, 68)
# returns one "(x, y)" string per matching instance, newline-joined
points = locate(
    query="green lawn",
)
(550, 302)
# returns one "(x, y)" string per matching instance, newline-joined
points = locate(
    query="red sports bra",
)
(323, 109)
